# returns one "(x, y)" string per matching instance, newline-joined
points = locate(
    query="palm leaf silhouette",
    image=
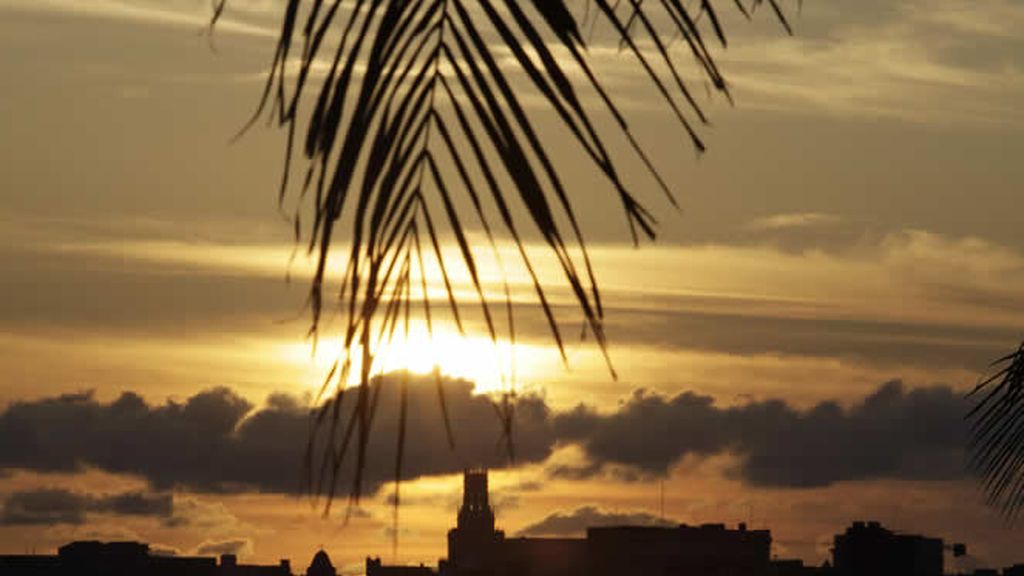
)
(997, 434)
(417, 117)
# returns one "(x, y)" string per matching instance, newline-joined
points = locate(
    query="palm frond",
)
(997, 434)
(416, 117)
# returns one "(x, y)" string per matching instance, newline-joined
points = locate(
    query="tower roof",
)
(320, 562)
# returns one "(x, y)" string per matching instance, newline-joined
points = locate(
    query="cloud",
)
(236, 546)
(209, 517)
(163, 550)
(614, 472)
(892, 433)
(215, 441)
(164, 13)
(797, 294)
(793, 220)
(43, 507)
(134, 504)
(58, 506)
(576, 522)
(798, 232)
(987, 18)
(926, 61)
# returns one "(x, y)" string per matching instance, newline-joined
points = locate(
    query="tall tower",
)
(476, 513)
(472, 543)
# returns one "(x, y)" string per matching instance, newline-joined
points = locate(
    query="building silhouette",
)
(710, 549)
(92, 558)
(376, 567)
(477, 548)
(868, 549)
(474, 543)
(321, 565)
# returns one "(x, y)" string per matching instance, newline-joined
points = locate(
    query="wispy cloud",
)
(905, 66)
(576, 522)
(917, 304)
(991, 18)
(173, 13)
(793, 220)
(913, 265)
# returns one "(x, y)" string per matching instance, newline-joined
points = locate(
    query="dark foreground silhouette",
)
(476, 548)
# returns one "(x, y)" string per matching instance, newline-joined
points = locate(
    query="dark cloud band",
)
(218, 442)
(892, 433)
(58, 506)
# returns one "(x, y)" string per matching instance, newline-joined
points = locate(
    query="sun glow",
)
(491, 366)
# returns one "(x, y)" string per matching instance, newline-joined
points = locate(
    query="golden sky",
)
(855, 222)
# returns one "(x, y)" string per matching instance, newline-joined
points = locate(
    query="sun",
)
(492, 366)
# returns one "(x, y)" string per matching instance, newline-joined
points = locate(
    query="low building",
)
(710, 549)
(92, 558)
(30, 565)
(229, 566)
(374, 566)
(795, 568)
(868, 549)
(543, 557)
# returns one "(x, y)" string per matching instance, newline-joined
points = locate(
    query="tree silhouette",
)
(418, 105)
(419, 115)
(997, 428)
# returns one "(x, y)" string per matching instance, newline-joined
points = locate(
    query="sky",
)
(792, 352)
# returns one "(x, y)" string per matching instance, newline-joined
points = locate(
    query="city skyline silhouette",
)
(477, 548)
(275, 273)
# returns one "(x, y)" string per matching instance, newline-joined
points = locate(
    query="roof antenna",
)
(662, 499)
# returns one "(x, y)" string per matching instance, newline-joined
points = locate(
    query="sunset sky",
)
(792, 352)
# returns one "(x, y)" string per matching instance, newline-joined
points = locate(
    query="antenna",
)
(662, 498)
